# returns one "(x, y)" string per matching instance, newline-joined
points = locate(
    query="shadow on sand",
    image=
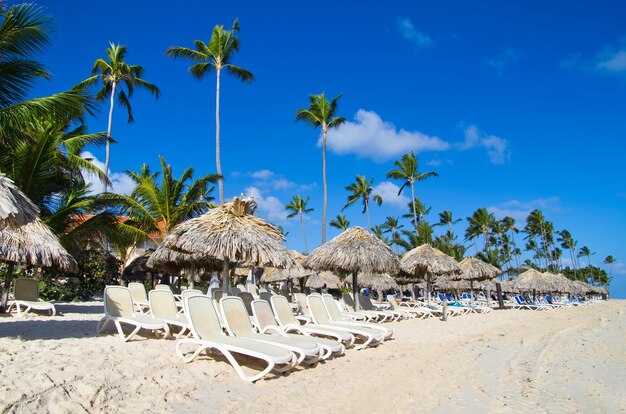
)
(33, 329)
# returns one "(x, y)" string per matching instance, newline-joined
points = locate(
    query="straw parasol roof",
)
(378, 281)
(34, 244)
(173, 261)
(280, 275)
(355, 250)
(15, 208)
(230, 232)
(139, 265)
(475, 269)
(535, 280)
(321, 279)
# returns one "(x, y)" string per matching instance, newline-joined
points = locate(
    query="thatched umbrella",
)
(353, 251)
(475, 270)
(271, 274)
(426, 262)
(323, 279)
(378, 281)
(15, 208)
(230, 233)
(533, 280)
(33, 244)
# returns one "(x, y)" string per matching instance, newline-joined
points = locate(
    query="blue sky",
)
(517, 105)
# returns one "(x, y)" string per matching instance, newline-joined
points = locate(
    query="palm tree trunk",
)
(306, 249)
(367, 213)
(218, 162)
(108, 144)
(414, 211)
(325, 185)
(7, 287)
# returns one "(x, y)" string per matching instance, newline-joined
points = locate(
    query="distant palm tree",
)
(322, 113)
(116, 73)
(568, 242)
(393, 227)
(509, 225)
(480, 223)
(378, 231)
(362, 189)
(215, 57)
(406, 170)
(446, 219)
(298, 207)
(340, 222)
(585, 251)
(610, 260)
(417, 208)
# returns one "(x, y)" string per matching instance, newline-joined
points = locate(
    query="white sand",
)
(572, 360)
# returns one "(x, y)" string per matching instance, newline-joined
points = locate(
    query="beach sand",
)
(571, 360)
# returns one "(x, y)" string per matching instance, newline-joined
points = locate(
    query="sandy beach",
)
(571, 360)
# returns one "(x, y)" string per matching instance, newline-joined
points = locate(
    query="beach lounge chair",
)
(266, 296)
(288, 322)
(390, 315)
(266, 323)
(119, 309)
(370, 337)
(302, 312)
(209, 336)
(162, 286)
(407, 311)
(217, 294)
(369, 314)
(139, 295)
(253, 289)
(237, 323)
(336, 316)
(163, 307)
(26, 294)
(247, 300)
(520, 303)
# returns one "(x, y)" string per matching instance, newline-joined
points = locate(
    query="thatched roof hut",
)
(534, 280)
(230, 233)
(476, 270)
(271, 274)
(323, 279)
(353, 251)
(173, 261)
(15, 208)
(377, 281)
(426, 262)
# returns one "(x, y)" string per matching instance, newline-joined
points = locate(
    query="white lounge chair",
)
(237, 323)
(163, 307)
(139, 295)
(411, 312)
(336, 317)
(209, 336)
(119, 309)
(26, 294)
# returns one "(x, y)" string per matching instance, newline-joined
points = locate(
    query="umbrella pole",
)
(355, 292)
(472, 291)
(225, 278)
(192, 277)
(428, 289)
(7, 287)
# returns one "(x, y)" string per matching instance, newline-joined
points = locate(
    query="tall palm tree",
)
(378, 231)
(610, 260)
(393, 227)
(24, 32)
(446, 219)
(417, 209)
(586, 251)
(340, 222)
(509, 225)
(298, 207)
(115, 74)
(537, 226)
(480, 224)
(321, 113)
(157, 205)
(362, 189)
(406, 170)
(215, 57)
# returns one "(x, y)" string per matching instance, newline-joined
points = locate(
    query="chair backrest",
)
(302, 301)
(282, 311)
(331, 307)
(318, 310)
(138, 292)
(217, 294)
(263, 314)
(236, 316)
(118, 302)
(392, 302)
(235, 291)
(253, 289)
(267, 296)
(366, 303)
(241, 287)
(162, 304)
(441, 297)
(26, 289)
(202, 317)
(348, 300)
(247, 300)
(162, 286)
(189, 293)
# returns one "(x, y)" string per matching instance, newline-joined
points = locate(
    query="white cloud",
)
(371, 137)
(497, 148)
(519, 210)
(410, 33)
(437, 162)
(501, 60)
(619, 268)
(120, 182)
(612, 61)
(262, 174)
(268, 207)
(389, 192)
(269, 180)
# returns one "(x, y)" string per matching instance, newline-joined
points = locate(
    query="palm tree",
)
(417, 210)
(406, 170)
(24, 32)
(378, 231)
(509, 225)
(610, 260)
(116, 74)
(298, 207)
(361, 189)
(322, 113)
(215, 57)
(585, 251)
(568, 242)
(393, 227)
(156, 206)
(480, 224)
(340, 222)
(446, 219)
